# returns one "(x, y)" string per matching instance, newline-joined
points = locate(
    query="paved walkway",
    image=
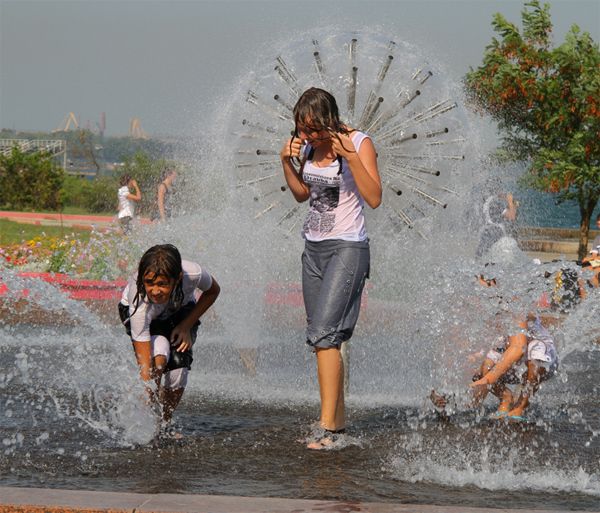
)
(42, 500)
(81, 221)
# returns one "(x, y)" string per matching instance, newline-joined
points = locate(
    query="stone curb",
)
(48, 500)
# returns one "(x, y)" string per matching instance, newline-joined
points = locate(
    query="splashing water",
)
(73, 411)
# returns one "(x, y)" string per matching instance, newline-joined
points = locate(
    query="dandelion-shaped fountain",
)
(382, 87)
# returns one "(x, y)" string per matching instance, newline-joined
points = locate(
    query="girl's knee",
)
(176, 379)
(160, 363)
(535, 373)
(487, 366)
(161, 346)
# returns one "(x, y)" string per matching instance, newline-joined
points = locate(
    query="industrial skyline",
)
(169, 66)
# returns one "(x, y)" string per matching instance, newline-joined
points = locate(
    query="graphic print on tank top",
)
(324, 186)
(336, 206)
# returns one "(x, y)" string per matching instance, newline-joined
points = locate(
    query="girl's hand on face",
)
(181, 338)
(291, 148)
(342, 145)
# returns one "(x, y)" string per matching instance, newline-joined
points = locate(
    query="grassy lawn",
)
(14, 233)
(73, 210)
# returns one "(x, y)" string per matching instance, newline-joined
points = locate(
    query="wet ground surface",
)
(67, 420)
(230, 448)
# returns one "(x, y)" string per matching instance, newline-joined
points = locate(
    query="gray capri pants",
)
(333, 277)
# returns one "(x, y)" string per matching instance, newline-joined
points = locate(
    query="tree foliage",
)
(97, 195)
(100, 194)
(30, 181)
(34, 181)
(547, 104)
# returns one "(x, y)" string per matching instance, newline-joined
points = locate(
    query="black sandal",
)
(325, 439)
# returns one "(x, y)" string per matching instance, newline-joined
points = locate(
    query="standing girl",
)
(127, 201)
(335, 167)
(164, 195)
(161, 307)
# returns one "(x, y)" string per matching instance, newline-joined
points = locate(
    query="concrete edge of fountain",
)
(53, 500)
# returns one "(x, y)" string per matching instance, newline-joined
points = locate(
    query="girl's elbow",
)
(215, 289)
(301, 197)
(375, 201)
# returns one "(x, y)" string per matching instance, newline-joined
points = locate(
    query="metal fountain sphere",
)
(383, 87)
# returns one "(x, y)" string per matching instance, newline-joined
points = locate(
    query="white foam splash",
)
(507, 478)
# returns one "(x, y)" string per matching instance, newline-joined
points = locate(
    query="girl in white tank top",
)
(337, 171)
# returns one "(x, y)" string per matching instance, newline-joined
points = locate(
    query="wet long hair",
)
(161, 260)
(166, 172)
(321, 108)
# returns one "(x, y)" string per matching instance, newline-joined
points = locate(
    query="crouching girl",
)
(533, 346)
(161, 308)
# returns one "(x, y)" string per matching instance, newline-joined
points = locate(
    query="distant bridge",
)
(54, 147)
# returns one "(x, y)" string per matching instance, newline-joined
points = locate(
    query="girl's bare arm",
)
(363, 165)
(293, 177)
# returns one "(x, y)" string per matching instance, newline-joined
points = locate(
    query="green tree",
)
(30, 181)
(547, 104)
(97, 195)
(100, 194)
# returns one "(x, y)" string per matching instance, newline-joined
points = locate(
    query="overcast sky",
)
(165, 61)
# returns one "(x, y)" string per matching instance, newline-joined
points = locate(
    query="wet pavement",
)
(39, 500)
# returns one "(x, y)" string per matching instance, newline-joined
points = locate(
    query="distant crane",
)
(70, 118)
(102, 124)
(135, 129)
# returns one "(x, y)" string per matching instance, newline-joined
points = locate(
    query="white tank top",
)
(126, 206)
(336, 206)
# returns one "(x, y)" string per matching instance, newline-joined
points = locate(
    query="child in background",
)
(127, 202)
(592, 260)
(533, 346)
(164, 196)
(161, 307)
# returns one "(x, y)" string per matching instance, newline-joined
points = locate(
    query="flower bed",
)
(94, 259)
(87, 270)
(75, 288)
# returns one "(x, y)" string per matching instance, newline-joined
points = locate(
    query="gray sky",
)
(166, 61)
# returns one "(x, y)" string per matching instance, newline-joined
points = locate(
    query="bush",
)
(98, 195)
(30, 181)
